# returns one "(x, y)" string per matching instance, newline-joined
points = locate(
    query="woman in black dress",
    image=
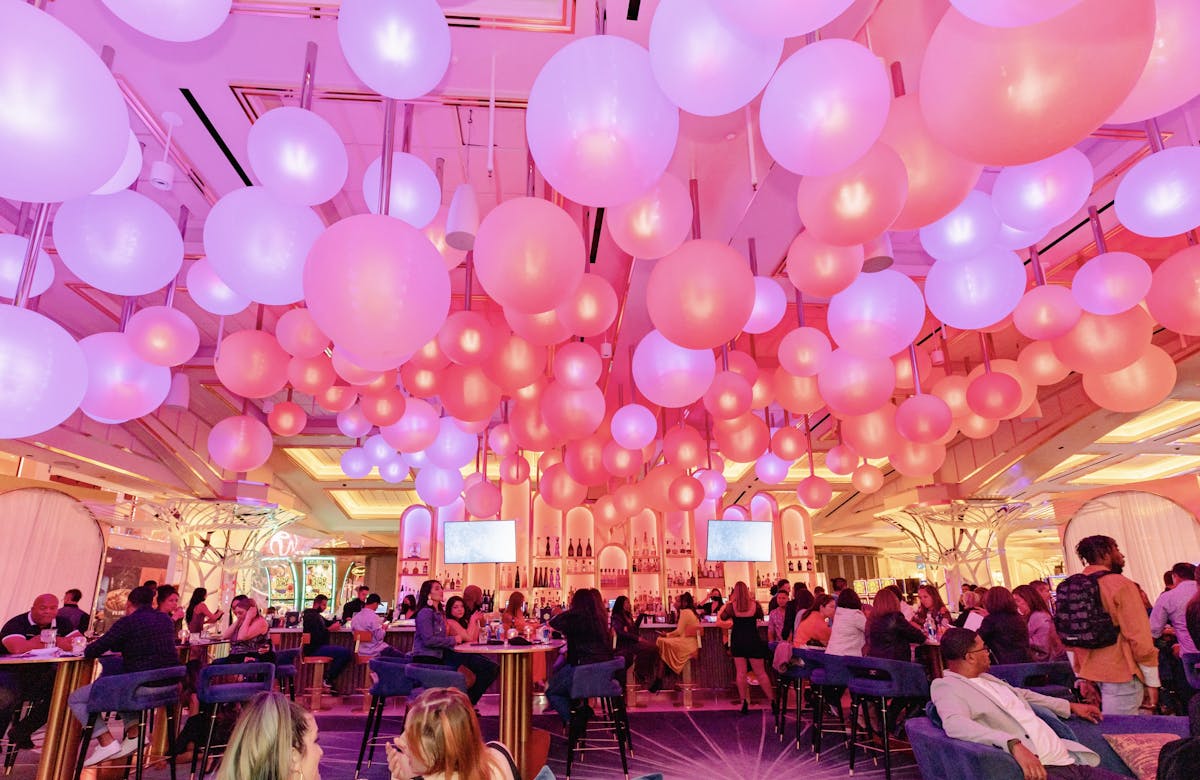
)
(1004, 631)
(637, 652)
(741, 615)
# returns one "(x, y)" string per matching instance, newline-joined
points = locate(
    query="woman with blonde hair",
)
(441, 741)
(741, 615)
(274, 739)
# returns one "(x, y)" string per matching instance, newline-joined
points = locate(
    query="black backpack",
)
(1079, 614)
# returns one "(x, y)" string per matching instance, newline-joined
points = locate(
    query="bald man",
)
(30, 683)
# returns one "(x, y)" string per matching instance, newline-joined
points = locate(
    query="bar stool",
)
(140, 692)
(311, 675)
(1047, 678)
(687, 686)
(880, 680)
(404, 680)
(10, 747)
(827, 678)
(1191, 669)
(361, 683)
(255, 678)
(792, 678)
(286, 662)
(598, 681)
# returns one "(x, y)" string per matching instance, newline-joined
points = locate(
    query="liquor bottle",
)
(425, 567)
(810, 565)
(570, 548)
(557, 548)
(517, 581)
(791, 566)
(548, 545)
(589, 548)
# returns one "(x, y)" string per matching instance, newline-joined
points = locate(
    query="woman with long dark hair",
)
(433, 645)
(848, 635)
(677, 647)
(585, 627)
(1004, 630)
(932, 606)
(1044, 644)
(407, 609)
(812, 627)
(802, 599)
(889, 635)
(198, 615)
(637, 652)
(741, 616)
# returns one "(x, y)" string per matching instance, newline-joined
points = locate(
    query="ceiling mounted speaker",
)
(462, 223)
(879, 254)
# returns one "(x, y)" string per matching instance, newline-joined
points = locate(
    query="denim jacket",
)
(431, 638)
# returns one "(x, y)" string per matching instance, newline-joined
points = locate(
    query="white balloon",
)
(127, 174)
(12, 257)
(178, 21)
(415, 195)
(399, 48)
(297, 155)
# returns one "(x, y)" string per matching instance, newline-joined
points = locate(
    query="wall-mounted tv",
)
(739, 540)
(480, 541)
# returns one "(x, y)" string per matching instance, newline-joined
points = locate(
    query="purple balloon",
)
(297, 155)
(453, 447)
(1160, 195)
(439, 487)
(1044, 193)
(634, 426)
(43, 374)
(1111, 283)
(878, 315)
(966, 231)
(178, 21)
(771, 468)
(121, 386)
(415, 195)
(352, 422)
(670, 375)
(12, 257)
(976, 292)
(399, 48)
(212, 294)
(356, 463)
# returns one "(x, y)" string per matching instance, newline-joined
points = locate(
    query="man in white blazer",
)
(977, 707)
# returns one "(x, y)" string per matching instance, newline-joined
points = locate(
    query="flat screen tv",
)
(481, 541)
(739, 540)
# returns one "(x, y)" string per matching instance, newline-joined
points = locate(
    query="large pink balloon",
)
(240, 443)
(483, 500)
(12, 257)
(120, 385)
(923, 419)
(1099, 344)
(597, 124)
(467, 393)
(1038, 362)
(123, 243)
(572, 413)
(178, 21)
(994, 394)
(1160, 195)
(824, 107)
(819, 269)
(257, 243)
(685, 447)
(841, 459)
(796, 394)
(1172, 73)
(855, 384)
(1141, 385)
(543, 329)
(299, 335)
(621, 462)
(814, 492)
(417, 428)
(591, 308)
(670, 375)
(872, 435)
(742, 440)
(938, 179)
(252, 364)
(1012, 13)
(287, 418)
(1043, 193)
(686, 493)
(297, 155)
(67, 128)
(803, 351)
(559, 490)
(163, 336)
(976, 292)
(212, 294)
(700, 295)
(654, 223)
(1046, 312)
(867, 478)
(1174, 297)
(772, 19)
(43, 376)
(467, 338)
(399, 48)
(917, 460)
(415, 194)
(1111, 283)
(968, 229)
(857, 203)
(788, 443)
(878, 315)
(982, 88)
(438, 487)
(377, 287)
(770, 304)
(728, 396)
(705, 65)
(529, 255)
(515, 363)
(577, 365)
(584, 460)
(634, 426)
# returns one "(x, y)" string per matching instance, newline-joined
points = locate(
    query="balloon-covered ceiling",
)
(740, 225)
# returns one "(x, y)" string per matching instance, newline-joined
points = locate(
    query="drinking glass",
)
(78, 644)
(48, 636)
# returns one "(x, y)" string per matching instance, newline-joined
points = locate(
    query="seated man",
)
(317, 628)
(33, 683)
(145, 638)
(367, 619)
(977, 707)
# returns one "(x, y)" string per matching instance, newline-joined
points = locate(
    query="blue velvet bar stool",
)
(252, 678)
(598, 681)
(286, 663)
(1047, 678)
(396, 679)
(791, 679)
(1191, 669)
(10, 747)
(885, 682)
(827, 679)
(140, 692)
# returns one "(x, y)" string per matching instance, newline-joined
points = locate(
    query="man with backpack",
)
(1102, 620)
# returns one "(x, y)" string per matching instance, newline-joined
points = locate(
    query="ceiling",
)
(254, 63)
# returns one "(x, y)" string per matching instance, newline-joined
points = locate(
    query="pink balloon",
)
(123, 243)
(483, 500)
(796, 394)
(923, 419)
(438, 487)
(257, 243)
(1141, 385)
(352, 422)
(515, 363)
(700, 295)
(467, 338)
(1046, 312)
(577, 365)
(385, 408)
(872, 435)
(634, 426)
(12, 257)
(841, 459)
(771, 19)
(415, 195)
(430, 357)
(120, 385)
(584, 460)
(713, 482)
(287, 418)
(212, 294)
(336, 398)
(803, 351)
(1172, 297)
(971, 227)
(1038, 362)
(544, 329)
(683, 446)
(377, 287)
(742, 440)
(239, 443)
(350, 371)
(621, 462)
(1160, 195)
(514, 469)
(1013, 13)
(685, 493)
(299, 335)
(938, 179)
(453, 448)
(670, 375)
(814, 492)
(1111, 283)
(904, 369)
(771, 469)
(824, 107)
(994, 394)
(398, 48)
(857, 203)
(591, 308)
(628, 500)
(867, 478)
(68, 126)
(1172, 73)
(1028, 388)
(500, 440)
(559, 490)
(878, 315)
(468, 394)
(572, 412)
(1043, 193)
(311, 375)
(297, 155)
(1099, 344)
(770, 304)
(855, 384)
(975, 427)
(529, 255)
(252, 364)
(728, 396)
(821, 270)
(952, 389)
(162, 336)
(917, 460)
(597, 124)
(788, 443)
(705, 65)
(982, 88)
(976, 292)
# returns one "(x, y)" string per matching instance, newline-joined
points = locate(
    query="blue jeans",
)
(1121, 698)
(558, 691)
(78, 702)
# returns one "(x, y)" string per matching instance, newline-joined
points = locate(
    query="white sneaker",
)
(104, 753)
(128, 745)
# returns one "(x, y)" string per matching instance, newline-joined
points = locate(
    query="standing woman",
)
(1044, 644)
(432, 645)
(742, 614)
(585, 627)
(198, 615)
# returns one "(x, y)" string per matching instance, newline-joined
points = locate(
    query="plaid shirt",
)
(145, 640)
